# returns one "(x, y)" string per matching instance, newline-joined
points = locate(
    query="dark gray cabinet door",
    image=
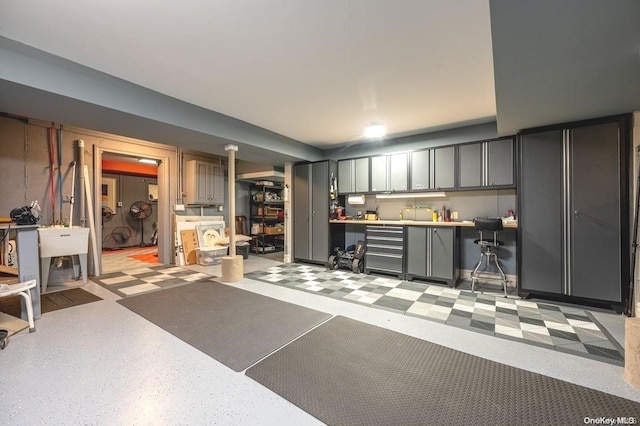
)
(379, 173)
(302, 211)
(500, 158)
(398, 173)
(443, 168)
(353, 175)
(486, 164)
(596, 228)
(470, 165)
(345, 176)
(442, 253)
(311, 210)
(319, 211)
(361, 175)
(417, 250)
(541, 205)
(420, 170)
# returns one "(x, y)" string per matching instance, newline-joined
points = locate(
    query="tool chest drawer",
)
(385, 250)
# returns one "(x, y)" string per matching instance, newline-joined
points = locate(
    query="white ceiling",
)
(315, 71)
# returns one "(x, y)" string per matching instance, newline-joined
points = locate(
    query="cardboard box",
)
(268, 211)
(274, 230)
(210, 255)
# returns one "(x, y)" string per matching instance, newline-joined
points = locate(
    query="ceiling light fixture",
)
(148, 161)
(374, 131)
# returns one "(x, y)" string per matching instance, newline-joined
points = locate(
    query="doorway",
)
(129, 212)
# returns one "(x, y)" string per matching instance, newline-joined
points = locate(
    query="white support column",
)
(232, 266)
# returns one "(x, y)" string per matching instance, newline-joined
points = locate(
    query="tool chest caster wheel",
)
(4, 338)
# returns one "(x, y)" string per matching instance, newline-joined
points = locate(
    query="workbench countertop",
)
(467, 223)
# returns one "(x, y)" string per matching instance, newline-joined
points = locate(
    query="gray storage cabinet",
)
(390, 172)
(432, 253)
(353, 175)
(433, 168)
(204, 183)
(385, 250)
(573, 211)
(486, 164)
(311, 236)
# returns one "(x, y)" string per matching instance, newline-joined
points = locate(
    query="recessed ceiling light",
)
(374, 131)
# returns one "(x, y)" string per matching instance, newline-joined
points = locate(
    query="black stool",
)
(488, 247)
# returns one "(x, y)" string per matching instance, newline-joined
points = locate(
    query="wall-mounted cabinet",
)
(433, 169)
(389, 172)
(204, 183)
(486, 164)
(353, 176)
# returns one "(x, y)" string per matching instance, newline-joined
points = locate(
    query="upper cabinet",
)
(204, 183)
(389, 172)
(353, 175)
(486, 164)
(433, 169)
(475, 165)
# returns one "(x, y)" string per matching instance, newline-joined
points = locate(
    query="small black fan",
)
(139, 211)
(107, 214)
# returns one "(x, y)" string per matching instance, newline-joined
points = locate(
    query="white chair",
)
(23, 289)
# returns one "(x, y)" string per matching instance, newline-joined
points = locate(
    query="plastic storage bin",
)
(210, 255)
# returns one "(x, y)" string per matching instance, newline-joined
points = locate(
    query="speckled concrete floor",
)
(102, 364)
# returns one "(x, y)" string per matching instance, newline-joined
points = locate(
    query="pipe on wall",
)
(83, 216)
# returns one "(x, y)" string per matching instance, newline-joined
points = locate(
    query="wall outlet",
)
(178, 208)
(119, 203)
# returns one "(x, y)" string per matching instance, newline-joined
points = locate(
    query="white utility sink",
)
(59, 241)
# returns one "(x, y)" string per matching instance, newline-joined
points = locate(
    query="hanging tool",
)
(52, 194)
(73, 193)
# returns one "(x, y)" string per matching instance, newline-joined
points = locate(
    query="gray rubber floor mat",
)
(346, 372)
(233, 326)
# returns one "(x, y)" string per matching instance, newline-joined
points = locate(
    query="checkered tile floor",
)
(148, 278)
(119, 260)
(563, 328)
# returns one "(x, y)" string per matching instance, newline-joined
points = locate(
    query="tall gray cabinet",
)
(311, 236)
(573, 220)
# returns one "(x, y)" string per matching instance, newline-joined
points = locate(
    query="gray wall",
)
(129, 189)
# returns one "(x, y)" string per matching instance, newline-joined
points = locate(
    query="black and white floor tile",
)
(563, 328)
(148, 278)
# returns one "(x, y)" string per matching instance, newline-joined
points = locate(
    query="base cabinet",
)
(574, 218)
(431, 254)
(385, 250)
